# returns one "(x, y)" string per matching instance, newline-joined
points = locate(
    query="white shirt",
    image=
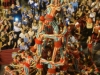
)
(31, 33)
(16, 28)
(22, 35)
(35, 4)
(70, 10)
(92, 14)
(73, 39)
(37, 17)
(77, 23)
(30, 1)
(35, 27)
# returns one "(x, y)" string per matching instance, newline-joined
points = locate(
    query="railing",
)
(6, 56)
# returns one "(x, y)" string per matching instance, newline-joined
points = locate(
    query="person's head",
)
(36, 15)
(27, 53)
(70, 5)
(10, 36)
(13, 6)
(15, 36)
(65, 1)
(49, 53)
(30, 29)
(64, 52)
(5, 21)
(23, 27)
(23, 31)
(26, 35)
(23, 60)
(74, 0)
(89, 0)
(97, 21)
(18, 57)
(2, 33)
(61, 72)
(26, 19)
(89, 37)
(19, 38)
(92, 10)
(7, 68)
(9, 11)
(40, 22)
(17, 3)
(23, 43)
(60, 19)
(97, 0)
(79, 9)
(34, 24)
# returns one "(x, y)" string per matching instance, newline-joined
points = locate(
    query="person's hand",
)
(16, 12)
(9, 43)
(52, 62)
(13, 48)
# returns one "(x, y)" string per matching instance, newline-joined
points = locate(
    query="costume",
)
(49, 19)
(76, 55)
(29, 59)
(39, 37)
(39, 66)
(51, 66)
(89, 45)
(57, 44)
(26, 67)
(64, 66)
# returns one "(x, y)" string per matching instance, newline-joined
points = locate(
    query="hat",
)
(42, 18)
(49, 17)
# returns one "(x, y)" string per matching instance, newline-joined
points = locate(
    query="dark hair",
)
(19, 57)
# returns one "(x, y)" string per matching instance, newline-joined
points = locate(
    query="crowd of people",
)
(49, 35)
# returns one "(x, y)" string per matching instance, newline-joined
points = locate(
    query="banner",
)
(6, 56)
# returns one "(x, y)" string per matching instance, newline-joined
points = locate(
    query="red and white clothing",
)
(89, 45)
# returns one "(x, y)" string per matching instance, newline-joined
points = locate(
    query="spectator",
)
(74, 4)
(92, 14)
(36, 17)
(23, 46)
(17, 28)
(18, 6)
(34, 26)
(19, 42)
(79, 13)
(10, 42)
(26, 38)
(22, 34)
(4, 40)
(70, 9)
(10, 18)
(14, 10)
(31, 32)
(31, 3)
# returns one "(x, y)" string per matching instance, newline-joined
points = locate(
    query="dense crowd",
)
(49, 35)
